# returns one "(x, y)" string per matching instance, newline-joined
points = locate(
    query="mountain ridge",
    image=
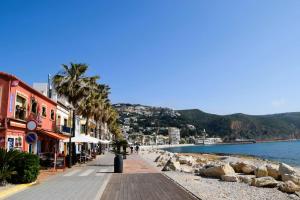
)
(229, 127)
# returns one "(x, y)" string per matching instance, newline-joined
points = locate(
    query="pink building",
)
(19, 103)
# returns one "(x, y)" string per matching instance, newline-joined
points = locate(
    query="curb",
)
(18, 188)
(102, 188)
(182, 187)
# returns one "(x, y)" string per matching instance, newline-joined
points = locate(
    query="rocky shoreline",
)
(213, 177)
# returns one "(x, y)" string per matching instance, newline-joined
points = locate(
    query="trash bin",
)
(118, 163)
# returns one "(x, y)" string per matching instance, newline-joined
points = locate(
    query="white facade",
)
(174, 135)
(42, 88)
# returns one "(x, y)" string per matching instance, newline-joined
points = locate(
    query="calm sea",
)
(287, 152)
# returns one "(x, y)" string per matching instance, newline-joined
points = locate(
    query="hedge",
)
(27, 168)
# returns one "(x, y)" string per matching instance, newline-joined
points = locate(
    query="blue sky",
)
(219, 56)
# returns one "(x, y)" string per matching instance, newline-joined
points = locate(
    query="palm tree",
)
(100, 105)
(72, 83)
(88, 104)
(6, 167)
(111, 118)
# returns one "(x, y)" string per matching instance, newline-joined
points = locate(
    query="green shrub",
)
(182, 141)
(27, 167)
(6, 169)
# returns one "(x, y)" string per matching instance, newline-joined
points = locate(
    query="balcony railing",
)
(64, 129)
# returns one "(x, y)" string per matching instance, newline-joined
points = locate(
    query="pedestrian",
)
(131, 149)
(137, 148)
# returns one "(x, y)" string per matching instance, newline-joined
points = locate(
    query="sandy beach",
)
(212, 188)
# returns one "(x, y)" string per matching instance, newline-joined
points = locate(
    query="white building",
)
(42, 88)
(63, 109)
(162, 140)
(174, 135)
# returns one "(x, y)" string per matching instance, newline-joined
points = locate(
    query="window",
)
(44, 111)
(82, 128)
(20, 111)
(65, 122)
(14, 143)
(33, 106)
(18, 143)
(52, 115)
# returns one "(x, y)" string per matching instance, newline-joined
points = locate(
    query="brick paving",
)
(140, 181)
(134, 164)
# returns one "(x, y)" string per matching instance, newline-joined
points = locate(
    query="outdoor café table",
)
(82, 158)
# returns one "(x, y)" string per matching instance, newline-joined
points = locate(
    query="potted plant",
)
(124, 145)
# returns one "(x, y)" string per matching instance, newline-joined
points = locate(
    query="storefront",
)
(51, 142)
(13, 137)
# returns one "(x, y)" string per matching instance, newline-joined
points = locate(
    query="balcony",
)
(20, 113)
(64, 129)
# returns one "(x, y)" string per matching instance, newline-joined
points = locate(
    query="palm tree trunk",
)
(72, 135)
(100, 129)
(86, 125)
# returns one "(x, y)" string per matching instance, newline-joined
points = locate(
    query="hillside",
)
(147, 120)
(277, 126)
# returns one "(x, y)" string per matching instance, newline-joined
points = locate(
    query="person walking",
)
(137, 148)
(131, 149)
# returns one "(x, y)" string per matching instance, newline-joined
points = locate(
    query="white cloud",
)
(278, 103)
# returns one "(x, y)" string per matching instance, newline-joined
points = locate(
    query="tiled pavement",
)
(134, 164)
(80, 183)
(140, 181)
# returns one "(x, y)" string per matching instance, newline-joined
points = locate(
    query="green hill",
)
(277, 126)
(148, 120)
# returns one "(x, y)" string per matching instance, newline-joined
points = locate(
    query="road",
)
(82, 183)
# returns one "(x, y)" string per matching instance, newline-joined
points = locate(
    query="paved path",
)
(134, 164)
(82, 183)
(140, 181)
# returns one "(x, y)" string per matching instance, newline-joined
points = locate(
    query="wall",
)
(3, 97)
(8, 105)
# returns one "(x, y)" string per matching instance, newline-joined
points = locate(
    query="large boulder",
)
(261, 171)
(217, 171)
(289, 177)
(172, 165)
(157, 158)
(243, 167)
(186, 160)
(201, 160)
(230, 178)
(187, 169)
(246, 178)
(273, 171)
(268, 181)
(289, 187)
(170, 154)
(286, 169)
(162, 160)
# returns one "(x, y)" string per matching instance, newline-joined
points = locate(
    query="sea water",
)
(287, 152)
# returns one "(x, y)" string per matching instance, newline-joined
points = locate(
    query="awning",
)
(104, 141)
(54, 135)
(83, 139)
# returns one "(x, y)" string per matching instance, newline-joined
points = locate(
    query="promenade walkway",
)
(80, 183)
(140, 181)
